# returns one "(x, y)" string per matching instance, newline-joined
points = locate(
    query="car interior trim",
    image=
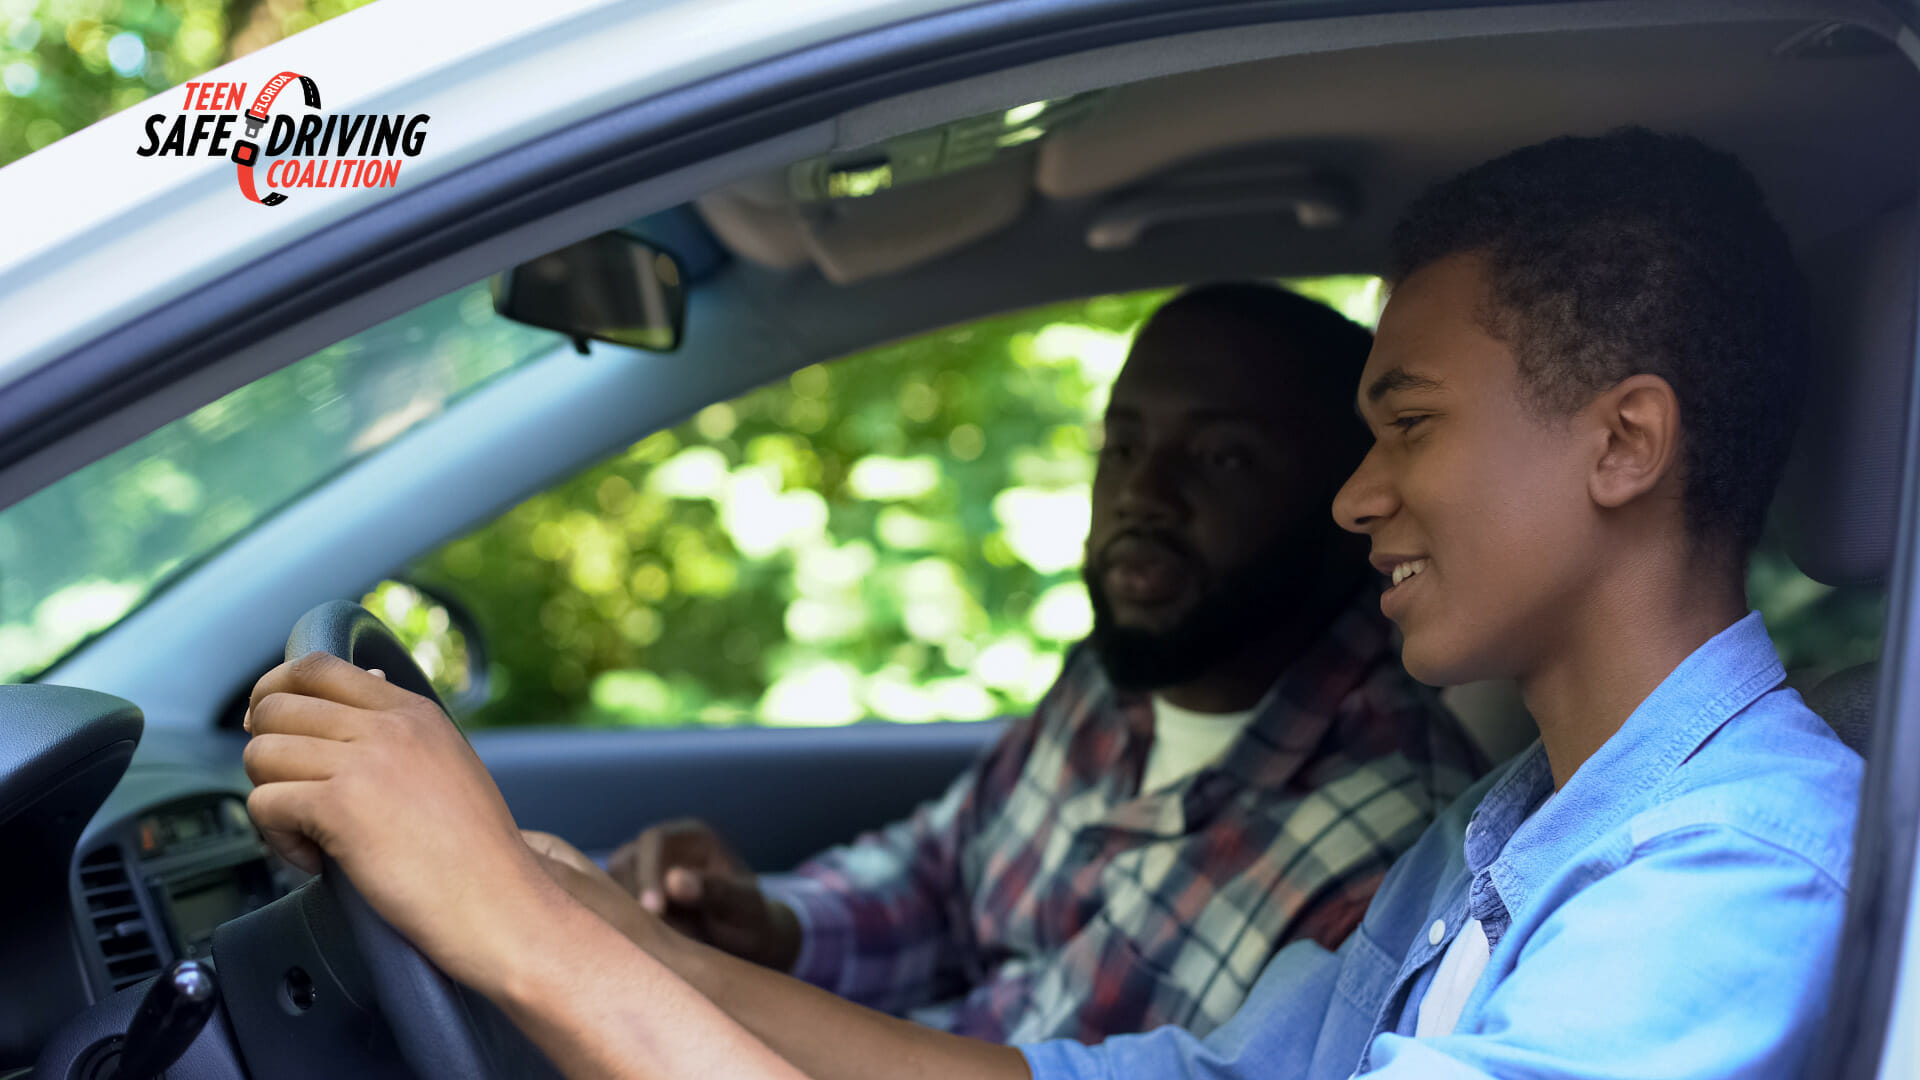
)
(1869, 961)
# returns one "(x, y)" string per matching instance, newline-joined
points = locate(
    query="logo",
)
(312, 150)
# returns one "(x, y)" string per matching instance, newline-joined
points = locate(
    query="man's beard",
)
(1238, 608)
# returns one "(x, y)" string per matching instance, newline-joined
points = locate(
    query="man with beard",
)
(1229, 764)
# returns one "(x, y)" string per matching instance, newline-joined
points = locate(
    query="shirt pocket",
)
(1366, 976)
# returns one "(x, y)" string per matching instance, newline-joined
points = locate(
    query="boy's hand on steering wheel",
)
(377, 777)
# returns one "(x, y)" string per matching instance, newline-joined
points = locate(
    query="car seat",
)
(1839, 501)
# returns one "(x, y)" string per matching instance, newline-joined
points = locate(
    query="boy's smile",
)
(1400, 571)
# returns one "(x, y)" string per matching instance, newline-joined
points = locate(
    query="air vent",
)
(119, 927)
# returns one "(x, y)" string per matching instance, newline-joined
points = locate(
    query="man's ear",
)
(1638, 420)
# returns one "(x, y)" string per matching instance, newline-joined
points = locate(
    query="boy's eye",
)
(1410, 421)
(1226, 459)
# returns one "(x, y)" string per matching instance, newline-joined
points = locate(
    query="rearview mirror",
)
(613, 287)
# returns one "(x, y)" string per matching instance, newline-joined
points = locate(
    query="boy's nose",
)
(1365, 498)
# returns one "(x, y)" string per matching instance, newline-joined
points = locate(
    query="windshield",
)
(78, 556)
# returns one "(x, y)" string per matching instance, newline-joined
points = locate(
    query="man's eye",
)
(1410, 421)
(1226, 459)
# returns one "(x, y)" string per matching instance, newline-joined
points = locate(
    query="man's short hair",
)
(1630, 253)
(1325, 349)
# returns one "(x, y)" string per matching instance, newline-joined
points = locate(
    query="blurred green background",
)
(894, 535)
(66, 63)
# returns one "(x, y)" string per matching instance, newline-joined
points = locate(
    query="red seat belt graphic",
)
(246, 153)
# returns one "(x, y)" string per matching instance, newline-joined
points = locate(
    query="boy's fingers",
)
(294, 848)
(620, 867)
(557, 850)
(298, 714)
(318, 674)
(275, 758)
(287, 814)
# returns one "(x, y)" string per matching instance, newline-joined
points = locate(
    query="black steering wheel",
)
(439, 1027)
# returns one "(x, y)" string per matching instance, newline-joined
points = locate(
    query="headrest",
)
(1838, 501)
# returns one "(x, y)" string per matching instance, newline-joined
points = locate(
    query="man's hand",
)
(377, 777)
(685, 873)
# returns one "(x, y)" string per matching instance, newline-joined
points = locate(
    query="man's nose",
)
(1366, 498)
(1151, 489)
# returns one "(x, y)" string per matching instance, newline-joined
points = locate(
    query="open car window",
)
(896, 535)
(82, 553)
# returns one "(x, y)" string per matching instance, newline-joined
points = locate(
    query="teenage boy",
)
(1230, 764)
(1582, 393)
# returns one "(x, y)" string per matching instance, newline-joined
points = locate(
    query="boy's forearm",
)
(600, 1007)
(829, 1038)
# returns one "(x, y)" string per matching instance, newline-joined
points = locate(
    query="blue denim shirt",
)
(1673, 912)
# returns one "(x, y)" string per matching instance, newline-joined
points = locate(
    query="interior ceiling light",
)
(1021, 114)
(923, 155)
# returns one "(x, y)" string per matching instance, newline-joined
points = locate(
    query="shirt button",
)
(1436, 932)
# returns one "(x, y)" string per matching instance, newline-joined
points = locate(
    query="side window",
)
(896, 535)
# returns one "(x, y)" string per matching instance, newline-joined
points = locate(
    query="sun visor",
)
(852, 239)
(755, 231)
(897, 229)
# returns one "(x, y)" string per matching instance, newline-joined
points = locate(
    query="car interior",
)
(1264, 151)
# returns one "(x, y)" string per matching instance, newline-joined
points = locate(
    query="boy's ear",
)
(1638, 420)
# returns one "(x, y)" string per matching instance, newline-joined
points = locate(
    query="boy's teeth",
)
(1407, 569)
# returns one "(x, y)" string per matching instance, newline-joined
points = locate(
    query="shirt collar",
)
(1713, 684)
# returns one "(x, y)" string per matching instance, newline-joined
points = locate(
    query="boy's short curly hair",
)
(1636, 252)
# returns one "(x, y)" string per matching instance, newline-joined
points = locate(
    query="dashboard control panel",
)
(160, 883)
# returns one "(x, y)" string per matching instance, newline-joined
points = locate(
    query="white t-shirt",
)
(1459, 972)
(1184, 741)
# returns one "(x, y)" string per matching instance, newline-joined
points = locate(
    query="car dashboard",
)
(151, 888)
(169, 855)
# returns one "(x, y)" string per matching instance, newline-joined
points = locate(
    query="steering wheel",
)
(440, 1028)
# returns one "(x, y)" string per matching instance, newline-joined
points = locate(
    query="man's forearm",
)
(829, 1038)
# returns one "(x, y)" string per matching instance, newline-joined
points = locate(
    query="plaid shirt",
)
(1043, 896)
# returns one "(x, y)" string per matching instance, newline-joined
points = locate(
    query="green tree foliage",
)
(894, 534)
(78, 555)
(66, 63)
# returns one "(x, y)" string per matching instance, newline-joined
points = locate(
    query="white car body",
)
(137, 232)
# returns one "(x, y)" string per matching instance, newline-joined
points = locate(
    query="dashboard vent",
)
(118, 925)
